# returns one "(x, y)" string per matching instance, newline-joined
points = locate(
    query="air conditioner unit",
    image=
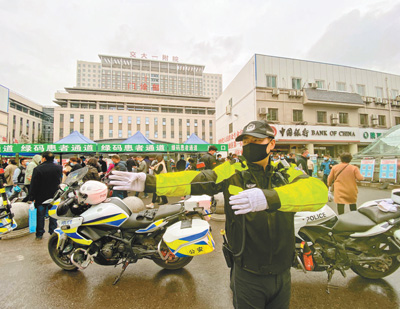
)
(334, 119)
(334, 116)
(394, 103)
(364, 99)
(370, 100)
(228, 110)
(374, 122)
(385, 101)
(378, 100)
(292, 93)
(299, 93)
(397, 98)
(275, 91)
(262, 111)
(313, 85)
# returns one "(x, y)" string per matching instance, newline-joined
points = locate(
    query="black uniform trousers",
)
(260, 291)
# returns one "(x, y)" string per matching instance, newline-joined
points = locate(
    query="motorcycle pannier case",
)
(189, 238)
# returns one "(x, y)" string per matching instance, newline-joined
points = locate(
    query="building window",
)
(395, 93)
(110, 119)
(155, 121)
(147, 121)
(164, 134)
(155, 134)
(110, 133)
(129, 119)
(137, 120)
(91, 119)
(82, 119)
(271, 81)
(119, 119)
(119, 133)
(361, 90)
(321, 117)
(297, 115)
(397, 120)
(296, 83)
(210, 124)
(382, 120)
(101, 118)
(340, 86)
(272, 114)
(164, 121)
(379, 92)
(61, 132)
(343, 118)
(71, 118)
(101, 133)
(320, 84)
(61, 118)
(364, 119)
(231, 128)
(188, 122)
(172, 134)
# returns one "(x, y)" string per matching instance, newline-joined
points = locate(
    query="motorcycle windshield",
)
(76, 176)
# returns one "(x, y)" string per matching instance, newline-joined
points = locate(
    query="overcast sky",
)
(42, 40)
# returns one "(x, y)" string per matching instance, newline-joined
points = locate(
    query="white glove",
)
(127, 181)
(248, 201)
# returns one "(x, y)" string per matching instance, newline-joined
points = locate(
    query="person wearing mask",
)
(345, 176)
(82, 161)
(142, 168)
(93, 172)
(326, 166)
(235, 158)
(310, 166)
(292, 158)
(159, 168)
(257, 204)
(74, 162)
(19, 178)
(209, 158)
(8, 174)
(45, 181)
(302, 161)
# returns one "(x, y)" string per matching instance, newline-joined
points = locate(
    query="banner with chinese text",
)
(388, 169)
(367, 168)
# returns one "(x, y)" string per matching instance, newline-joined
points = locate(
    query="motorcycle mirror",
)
(49, 201)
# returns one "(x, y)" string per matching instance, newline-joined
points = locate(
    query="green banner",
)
(81, 148)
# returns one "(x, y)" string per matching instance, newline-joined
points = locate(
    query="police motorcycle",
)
(367, 240)
(7, 222)
(94, 228)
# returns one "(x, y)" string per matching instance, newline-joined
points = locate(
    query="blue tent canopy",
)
(75, 138)
(137, 138)
(194, 139)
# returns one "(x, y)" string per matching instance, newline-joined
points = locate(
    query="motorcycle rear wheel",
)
(368, 271)
(62, 260)
(173, 262)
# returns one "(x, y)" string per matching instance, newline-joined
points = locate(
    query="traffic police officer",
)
(260, 202)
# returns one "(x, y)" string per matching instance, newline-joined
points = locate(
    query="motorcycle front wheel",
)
(62, 260)
(173, 262)
(379, 270)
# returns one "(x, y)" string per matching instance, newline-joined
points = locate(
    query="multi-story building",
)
(102, 114)
(148, 76)
(324, 107)
(22, 121)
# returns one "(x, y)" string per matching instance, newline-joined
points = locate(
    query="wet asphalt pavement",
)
(30, 279)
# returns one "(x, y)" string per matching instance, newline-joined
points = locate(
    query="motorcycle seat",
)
(353, 221)
(377, 215)
(137, 220)
(120, 203)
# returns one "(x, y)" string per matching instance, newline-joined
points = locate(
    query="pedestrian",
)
(292, 158)
(130, 163)
(235, 158)
(103, 165)
(159, 168)
(344, 176)
(326, 166)
(209, 158)
(310, 166)
(45, 181)
(119, 166)
(4, 163)
(302, 161)
(93, 172)
(19, 179)
(8, 174)
(259, 212)
(181, 164)
(82, 161)
(75, 164)
(66, 170)
(142, 168)
(29, 171)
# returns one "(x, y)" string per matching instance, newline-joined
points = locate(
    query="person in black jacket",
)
(46, 178)
(209, 158)
(302, 161)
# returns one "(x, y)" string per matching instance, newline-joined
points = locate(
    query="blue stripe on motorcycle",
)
(98, 219)
(194, 237)
(116, 223)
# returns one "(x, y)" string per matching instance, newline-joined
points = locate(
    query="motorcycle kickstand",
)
(330, 272)
(126, 263)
